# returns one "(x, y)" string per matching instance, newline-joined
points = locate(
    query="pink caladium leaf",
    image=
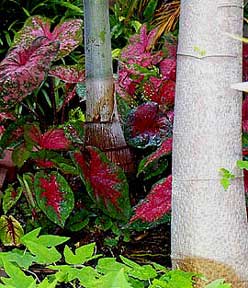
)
(24, 69)
(146, 126)
(156, 204)
(152, 160)
(54, 196)
(69, 74)
(138, 50)
(10, 196)
(68, 33)
(105, 182)
(245, 62)
(6, 116)
(168, 69)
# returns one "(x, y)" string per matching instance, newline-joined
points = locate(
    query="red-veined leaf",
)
(245, 115)
(156, 204)
(146, 126)
(54, 139)
(54, 196)
(10, 231)
(24, 69)
(105, 182)
(163, 150)
(10, 196)
(68, 33)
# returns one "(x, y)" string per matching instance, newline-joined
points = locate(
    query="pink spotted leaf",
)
(24, 69)
(54, 196)
(156, 204)
(105, 182)
(68, 33)
(146, 126)
(69, 74)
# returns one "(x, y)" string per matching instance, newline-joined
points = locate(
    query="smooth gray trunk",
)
(103, 129)
(209, 224)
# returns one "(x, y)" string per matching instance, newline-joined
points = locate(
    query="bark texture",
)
(209, 224)
(102, 127)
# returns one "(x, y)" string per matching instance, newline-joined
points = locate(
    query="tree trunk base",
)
(109, 138)
(211, 269)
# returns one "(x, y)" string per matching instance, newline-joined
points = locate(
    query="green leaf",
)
(17, 276)
(108, 265)
(82, 254)
(150, 9)
(242, 164)
(226, 177)
(20, 154)
(219, 283)
(114, 280)
(52, 240)
(43, 254)
(22, 258)
(10, 230)
(10, 197)
(145, 272)
(47, 284)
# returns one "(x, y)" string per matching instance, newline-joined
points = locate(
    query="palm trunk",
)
(209, 224)
(102, 127)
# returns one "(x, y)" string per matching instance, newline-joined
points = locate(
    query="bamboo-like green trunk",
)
(103, 129)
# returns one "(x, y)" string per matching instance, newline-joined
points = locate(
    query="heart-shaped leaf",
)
(10, 230)
(105, 182)
(146, 126)
(54, 196)
(24, 68)
(68, 33)
(156, 204)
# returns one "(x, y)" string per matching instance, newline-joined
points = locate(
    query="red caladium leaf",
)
(245, 180)
(53, 139)
(68, 33)
(146, 126)
(54, 196)
(24, 69)
(245, 62)
(69, 74)
(156, 204)
(245, 115)
(160, 91)
(105, 182)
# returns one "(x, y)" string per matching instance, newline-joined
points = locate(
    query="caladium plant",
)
(146, 126)
(105, 182)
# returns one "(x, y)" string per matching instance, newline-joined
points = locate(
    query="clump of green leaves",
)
(80, 267)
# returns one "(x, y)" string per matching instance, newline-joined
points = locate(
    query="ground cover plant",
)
(84, 266)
